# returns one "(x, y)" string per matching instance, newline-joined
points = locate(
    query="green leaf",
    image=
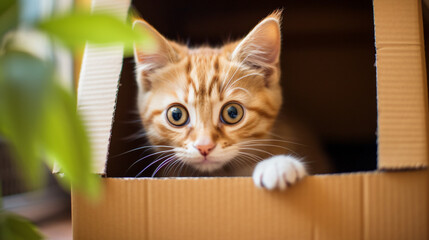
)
(66, 141)
(75, 29)
(8, 16)
(14, 227)
(5, 5)
(39, 119)
(24, 83)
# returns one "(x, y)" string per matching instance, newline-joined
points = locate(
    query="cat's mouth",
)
(206, 161)
(207, 164)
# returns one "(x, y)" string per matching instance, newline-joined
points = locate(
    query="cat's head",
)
(206, 103)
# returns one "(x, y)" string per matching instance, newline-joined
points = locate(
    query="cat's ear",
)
(152, 56)
(261, 47)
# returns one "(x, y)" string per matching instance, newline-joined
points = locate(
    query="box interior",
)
(328, 72)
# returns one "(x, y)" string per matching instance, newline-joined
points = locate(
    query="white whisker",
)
(144, 147)
(268, 145)
(182, 165)
(244, 161)
(163, 163)
(141, 159)
(255, 157)
(229, 80)
(258, 150)
(239, 88)
(151, 164)
(271, 140)
(240, 78)
(169, 167)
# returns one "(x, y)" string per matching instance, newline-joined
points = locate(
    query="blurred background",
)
(329, 83)
(47, 205)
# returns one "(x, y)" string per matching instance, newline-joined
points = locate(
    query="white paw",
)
(278, 172)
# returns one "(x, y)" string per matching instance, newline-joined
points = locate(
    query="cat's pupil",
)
(176, 114)
(232, 112)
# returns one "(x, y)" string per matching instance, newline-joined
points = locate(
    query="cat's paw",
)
(278, 172)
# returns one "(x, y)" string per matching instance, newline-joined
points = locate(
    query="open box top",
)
(374, 205)
(401, 86)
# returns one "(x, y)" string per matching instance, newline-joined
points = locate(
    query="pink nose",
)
(205, 149)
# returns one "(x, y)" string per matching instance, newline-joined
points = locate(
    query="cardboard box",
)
(389, 203)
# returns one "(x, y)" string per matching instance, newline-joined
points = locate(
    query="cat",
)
(213, 109)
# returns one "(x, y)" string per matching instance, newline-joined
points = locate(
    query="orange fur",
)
(203, 80)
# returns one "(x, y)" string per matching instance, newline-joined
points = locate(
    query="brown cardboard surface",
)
(116, 216)
(403, 198)
(349, 206)
(401, 79)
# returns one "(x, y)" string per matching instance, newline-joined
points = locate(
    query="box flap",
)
(98, 86)
(401, 85)
(390, 205)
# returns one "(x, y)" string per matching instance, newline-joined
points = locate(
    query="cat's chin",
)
(207, 166)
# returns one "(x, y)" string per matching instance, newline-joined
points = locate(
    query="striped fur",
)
(203, 80)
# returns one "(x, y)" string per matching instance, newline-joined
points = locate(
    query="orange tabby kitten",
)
(212, 109)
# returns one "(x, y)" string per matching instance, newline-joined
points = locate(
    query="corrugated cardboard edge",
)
(98, 86)
(391, 205)
(401, 85)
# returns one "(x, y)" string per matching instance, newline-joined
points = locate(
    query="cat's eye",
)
(231, 113)
(177, 115)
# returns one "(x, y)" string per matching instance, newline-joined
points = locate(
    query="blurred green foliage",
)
(8, 15)
(24, 83)
(38, 116)
(77, 28)
(14, 227)
(40, 121)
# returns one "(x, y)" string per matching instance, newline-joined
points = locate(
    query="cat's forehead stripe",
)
(203, 73)
(188, 66)
(216, 64)
(213, 82)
